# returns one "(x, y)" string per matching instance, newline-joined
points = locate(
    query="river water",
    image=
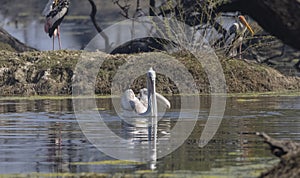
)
(77, 30)
(43, 136)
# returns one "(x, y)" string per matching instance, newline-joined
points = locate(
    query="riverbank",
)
(51, 73)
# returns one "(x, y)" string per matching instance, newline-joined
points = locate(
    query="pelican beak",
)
(244, 21)
(151, 86)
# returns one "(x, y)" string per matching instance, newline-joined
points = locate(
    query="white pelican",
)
(146, 102)
(55, 11)
(236, 36)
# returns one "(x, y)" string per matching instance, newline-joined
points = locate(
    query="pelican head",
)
(243, 20)
(151, 81)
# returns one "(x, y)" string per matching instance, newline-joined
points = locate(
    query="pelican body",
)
(146, 102)
(236, 36)
(55, 11)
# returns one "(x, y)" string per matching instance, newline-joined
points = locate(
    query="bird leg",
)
(58, 36)
(53, 42)
(240, 51)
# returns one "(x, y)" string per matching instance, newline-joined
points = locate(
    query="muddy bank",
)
(52, 72)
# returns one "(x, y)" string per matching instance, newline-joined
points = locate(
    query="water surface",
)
(43, 136)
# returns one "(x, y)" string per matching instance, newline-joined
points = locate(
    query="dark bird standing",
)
(55, 11)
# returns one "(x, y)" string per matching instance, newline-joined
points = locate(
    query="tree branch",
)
(151, 8)
(125, 8)
(98, 28)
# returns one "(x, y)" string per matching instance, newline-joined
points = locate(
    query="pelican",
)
(55, 11)
(236, 36)
(146, 102)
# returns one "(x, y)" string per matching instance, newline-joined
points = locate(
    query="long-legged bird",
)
(55, 11)
(236, 36)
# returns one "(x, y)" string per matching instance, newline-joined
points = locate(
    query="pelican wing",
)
(126, 103)
(163, 100)
(131, 103)
(139, 105)
(160, 98)
(143, 96)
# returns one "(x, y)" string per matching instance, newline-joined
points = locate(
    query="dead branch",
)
(125, 8)
(98, 28)
(289, 153)
(138, 11)
(280, 147)
(151, 7)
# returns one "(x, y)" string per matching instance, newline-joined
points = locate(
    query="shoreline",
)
(51, 73)
(286, 93)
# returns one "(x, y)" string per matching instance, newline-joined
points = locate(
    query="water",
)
(43, 136)
(26, 23)
(74, 36)
(77, 30)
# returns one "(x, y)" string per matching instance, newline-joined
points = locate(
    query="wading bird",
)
(236, 36)
(146, 102)
(55, 11)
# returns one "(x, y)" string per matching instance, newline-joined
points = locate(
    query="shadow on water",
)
(43, 136)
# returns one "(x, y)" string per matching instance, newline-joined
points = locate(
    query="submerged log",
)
(289, 154)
